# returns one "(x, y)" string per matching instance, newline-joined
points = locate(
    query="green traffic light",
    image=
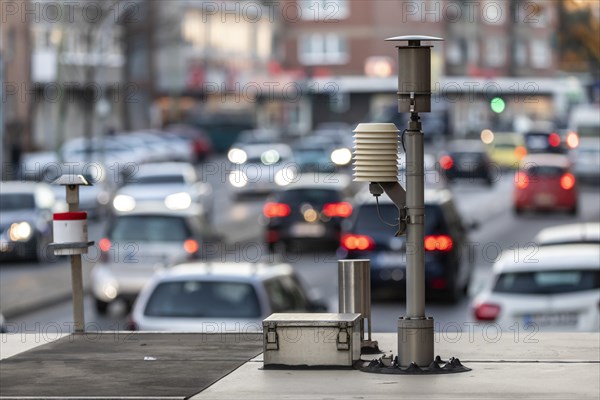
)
(498, 105)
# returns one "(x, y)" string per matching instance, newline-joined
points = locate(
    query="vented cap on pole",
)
(376, 152)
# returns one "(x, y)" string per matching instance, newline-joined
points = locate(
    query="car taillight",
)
(276, 210)
(357, 242)
(487, 311)
(520, 152)
(341, 209)
(567, 181)
(272, 236)
(104, 244)
(554, 140)
(572, 140)
(191, 246)
(521, 180)
(438, 242)
(446, 162)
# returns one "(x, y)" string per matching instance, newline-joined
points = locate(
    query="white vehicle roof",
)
(256, 150)
(164, 168)
(548, 258)
(570, 233)
(216, 271)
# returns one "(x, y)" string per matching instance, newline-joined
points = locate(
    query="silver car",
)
(138, 244)
(261, 168)
(172, 186)
(219, 297)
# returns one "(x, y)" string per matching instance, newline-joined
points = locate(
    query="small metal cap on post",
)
(414, 73)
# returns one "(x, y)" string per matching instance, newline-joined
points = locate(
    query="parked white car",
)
(588, 232)
(549, 288)
(219, 297)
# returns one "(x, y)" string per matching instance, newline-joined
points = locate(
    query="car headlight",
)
(238, 179)
(20, 231)
(178, 201)
(123, 203)
(341, 156)
(285, 176)
(110, 291)
(103, 198)
(237, 156)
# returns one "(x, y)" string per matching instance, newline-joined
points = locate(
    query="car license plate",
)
(545, 199)
(551, 320)
(307, 230)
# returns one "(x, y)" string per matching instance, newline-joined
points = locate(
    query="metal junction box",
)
(311, 340)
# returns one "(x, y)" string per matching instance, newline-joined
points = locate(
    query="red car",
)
(544, 182)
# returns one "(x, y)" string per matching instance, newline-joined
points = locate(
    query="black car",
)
(468, 160)
(309, 212)
(26, 220)
(370, 235)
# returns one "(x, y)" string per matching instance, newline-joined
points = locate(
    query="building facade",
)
(15, 78)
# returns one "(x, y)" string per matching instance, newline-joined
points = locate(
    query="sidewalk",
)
(540, 366)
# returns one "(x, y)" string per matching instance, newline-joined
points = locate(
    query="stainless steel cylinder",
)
(414, 76)
(354, 283)
(415, 341)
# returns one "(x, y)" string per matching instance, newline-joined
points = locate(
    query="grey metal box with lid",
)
(311, 340)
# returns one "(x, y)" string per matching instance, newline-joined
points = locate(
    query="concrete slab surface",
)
(224, 367)
(545, 366)
(120, 365)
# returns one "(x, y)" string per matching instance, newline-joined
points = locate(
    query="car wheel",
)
(101, 307)
(573, 211)
(517, 210)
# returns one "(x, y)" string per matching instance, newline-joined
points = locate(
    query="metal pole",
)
(2, 143)
(76, 268)
(415, 203)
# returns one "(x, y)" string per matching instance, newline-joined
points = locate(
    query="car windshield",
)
(157, 179)
(504, 145)
(198, 299)
(310, 196)
(16, 201)
(368, 220)
(545, 170)
(548, 282)
(149, 228)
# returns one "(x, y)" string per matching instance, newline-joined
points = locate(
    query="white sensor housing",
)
(376, 152)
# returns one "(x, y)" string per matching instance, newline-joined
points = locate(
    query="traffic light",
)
(497, 105)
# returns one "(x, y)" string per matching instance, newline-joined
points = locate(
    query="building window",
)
(324, 10)
(520, 54)
(473, 51)
(540, 53)
(494, 12)
(457, 51)
(495, 53)
(320, 49)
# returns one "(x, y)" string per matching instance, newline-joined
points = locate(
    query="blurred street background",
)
(220, 132)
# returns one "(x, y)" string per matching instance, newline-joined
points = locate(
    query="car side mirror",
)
(472, 226)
